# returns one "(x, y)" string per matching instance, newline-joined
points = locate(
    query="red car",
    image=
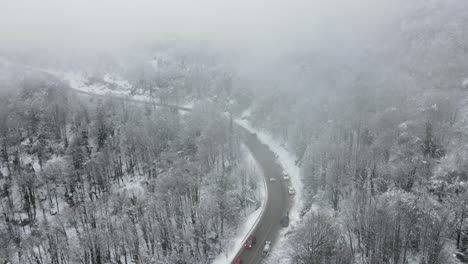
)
(237, 261)
(250, 242)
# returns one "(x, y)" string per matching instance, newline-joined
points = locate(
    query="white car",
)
(267, 247)
(285, 176)
(291, 190)
(272, 179)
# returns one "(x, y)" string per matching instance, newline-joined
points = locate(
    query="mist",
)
(260, 27)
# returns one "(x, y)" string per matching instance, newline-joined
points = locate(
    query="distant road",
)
(278, 203)
(130, 99)
(127, 98)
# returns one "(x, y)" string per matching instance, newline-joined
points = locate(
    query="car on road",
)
(272, 179)
(285, 221)
(267, 247)
(237, 261)
(291, 190)
(285, 176)
(250, 242)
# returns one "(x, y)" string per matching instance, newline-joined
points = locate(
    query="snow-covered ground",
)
(120, 86)
(465, 83)
(287, 161)
(189, 104)
(4, 171)
(110, 84)
(79, 81)
(133, 185)
(251, 220)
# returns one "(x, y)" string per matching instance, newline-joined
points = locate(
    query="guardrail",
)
(254, 226)
(181, 108)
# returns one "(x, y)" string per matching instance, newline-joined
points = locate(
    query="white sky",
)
(90, 26)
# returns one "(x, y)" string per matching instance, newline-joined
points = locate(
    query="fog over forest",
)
(245, 132)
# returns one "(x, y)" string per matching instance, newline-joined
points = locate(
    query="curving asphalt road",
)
(129, 99)
(278, 202)
(123, 97)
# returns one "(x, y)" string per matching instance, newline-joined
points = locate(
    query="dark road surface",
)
(278, 198)
(278, 202)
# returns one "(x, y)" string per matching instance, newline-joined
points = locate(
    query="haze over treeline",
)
(265, 27)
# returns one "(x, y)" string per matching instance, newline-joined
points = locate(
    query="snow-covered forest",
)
(132, 148)
(99, 180)
(381, 137)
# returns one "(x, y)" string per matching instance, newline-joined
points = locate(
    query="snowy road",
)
(278, 202)
(129, 99)
(278, 198)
